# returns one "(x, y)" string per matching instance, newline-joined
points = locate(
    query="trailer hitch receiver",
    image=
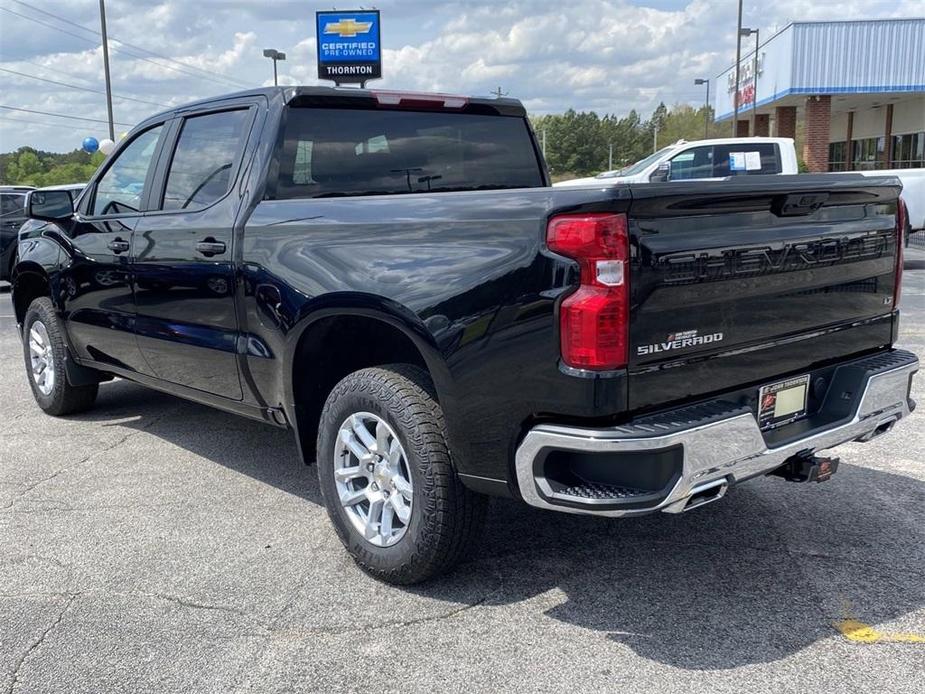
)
(807, 468)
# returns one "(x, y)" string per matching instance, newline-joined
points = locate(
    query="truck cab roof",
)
(349, 96)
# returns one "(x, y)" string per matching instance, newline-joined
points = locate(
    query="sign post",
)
(349, 47)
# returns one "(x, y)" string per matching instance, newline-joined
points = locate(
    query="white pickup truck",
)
(704, 160)
(724, 157)
(913, 194)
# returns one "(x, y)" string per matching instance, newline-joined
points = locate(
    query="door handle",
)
(209, 247)
(118, 245)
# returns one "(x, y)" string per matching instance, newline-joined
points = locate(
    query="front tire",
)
(45, 352)
(387, 477)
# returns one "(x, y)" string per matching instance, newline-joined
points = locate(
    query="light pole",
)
(746, 32)
(735, 96)
(112, 130)
(274, 55)
(706, 114)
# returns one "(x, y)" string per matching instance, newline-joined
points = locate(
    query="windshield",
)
(12, 205)
(639, 166)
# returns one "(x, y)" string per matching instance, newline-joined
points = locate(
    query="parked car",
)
(703, 160)
(12, 215)
(390, 276)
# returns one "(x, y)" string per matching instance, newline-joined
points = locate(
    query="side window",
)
(121, 188)
(693, 163)
(746, 159)
(204, 160)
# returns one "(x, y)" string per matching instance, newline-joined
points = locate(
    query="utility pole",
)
(498, 93)
(610, 157)
(706, 115)
(746, 32)
(112, 129)
(655, 138)
(755, 84)
(735, 97)
(544, 143)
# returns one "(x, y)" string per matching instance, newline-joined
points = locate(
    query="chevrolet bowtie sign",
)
(349, 49)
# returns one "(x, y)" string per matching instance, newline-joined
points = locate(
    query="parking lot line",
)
(859, 632)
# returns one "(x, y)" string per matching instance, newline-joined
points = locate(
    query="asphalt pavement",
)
(154, 545)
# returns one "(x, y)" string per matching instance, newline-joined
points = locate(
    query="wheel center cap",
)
(382, 474)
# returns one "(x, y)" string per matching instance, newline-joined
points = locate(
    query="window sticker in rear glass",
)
(744, 161)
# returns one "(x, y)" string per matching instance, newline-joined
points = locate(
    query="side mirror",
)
(662, 173)
(50, 205)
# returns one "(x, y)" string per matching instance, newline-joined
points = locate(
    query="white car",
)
(704, 160)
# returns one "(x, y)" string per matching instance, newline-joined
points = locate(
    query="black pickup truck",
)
(391, 276)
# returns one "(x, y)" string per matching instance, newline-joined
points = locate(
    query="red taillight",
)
(901, 213)
(594, 320)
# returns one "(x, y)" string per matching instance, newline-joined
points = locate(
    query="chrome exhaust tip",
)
(881, 429)
(706, 494)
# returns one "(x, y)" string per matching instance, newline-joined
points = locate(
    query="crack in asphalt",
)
(276, 633)
(398, 623)
(12, 561)
(37, 644)
(124, 507)
(82, 461)
(184, 602)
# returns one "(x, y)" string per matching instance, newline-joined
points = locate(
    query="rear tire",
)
(394, 410)
(45, 352)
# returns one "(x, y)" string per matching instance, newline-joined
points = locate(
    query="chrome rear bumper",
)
(727, 449)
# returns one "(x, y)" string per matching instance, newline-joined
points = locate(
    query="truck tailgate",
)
(740, 282)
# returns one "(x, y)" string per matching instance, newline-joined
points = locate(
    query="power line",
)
(208, 74)
(63, 126)
(74, 77)
(116, 50)
(52, 69)
(83, 89)
(62, 115)
(50, 26)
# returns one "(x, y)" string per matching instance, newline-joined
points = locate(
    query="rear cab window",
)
(720, 161)
(746, 159)
(334, 152)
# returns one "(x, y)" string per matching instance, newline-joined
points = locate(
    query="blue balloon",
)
(90, 144)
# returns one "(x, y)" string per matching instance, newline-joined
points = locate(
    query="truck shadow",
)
(757, 577)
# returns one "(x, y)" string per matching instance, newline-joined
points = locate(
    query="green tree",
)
(27, 166)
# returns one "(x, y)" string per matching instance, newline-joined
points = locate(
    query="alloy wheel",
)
(373, 479)
(42, 358)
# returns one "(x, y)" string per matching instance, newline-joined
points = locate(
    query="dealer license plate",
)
(783, 402)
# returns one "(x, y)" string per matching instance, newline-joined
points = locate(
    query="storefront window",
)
(908, 151)
(867, 154)
(837, 155)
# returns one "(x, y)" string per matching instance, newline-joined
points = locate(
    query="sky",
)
(609, 56)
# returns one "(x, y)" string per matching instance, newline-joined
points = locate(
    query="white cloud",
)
(607, 55)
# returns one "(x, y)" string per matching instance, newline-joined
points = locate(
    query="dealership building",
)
(857, 88)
